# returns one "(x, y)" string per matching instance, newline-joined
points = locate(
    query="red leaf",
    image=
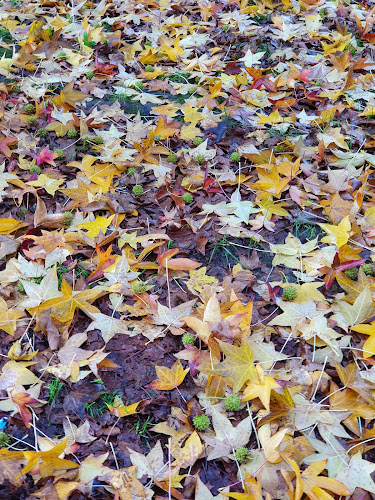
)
(46, 156)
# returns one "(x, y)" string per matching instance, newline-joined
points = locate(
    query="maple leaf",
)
(46, 156)
(150, 465)
(357, 475)
(4, 146)
(10, 466)
(10, 225)
(309, 482)
(126, 484)
(262, 389)
(290, 253)
(179, 264)
(251, 59)
(280, 405)
(270, 443)
(227, 438)
(22, 400)
(37, 293)
(120, 410)
(8, 317)
(369, 345)
(238, 364)
(68, 97)
(362, 309)
(63, 308)
(48, 463)
(110, 326)
(169, 378)
(187, 455)
(105, 261)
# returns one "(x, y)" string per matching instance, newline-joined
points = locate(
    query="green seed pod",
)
(289, 293)
(131, 170)
(236, 157)
(41, 132)
(188, 338)
(60, 152)
(242, 455)
(29, 109)
(200, 159)
(201, 422)
(172, 158)
(68, 218)
(188, 198)
(197, 141)
(4, 440)
(31, 121)
(139, 287)
(90, 75)
(72, 133)
(351, 273)
(232, 402)
(137, 190)
(149, 68)
(36, 169)
(368, 269)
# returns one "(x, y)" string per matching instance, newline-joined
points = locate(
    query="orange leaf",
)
(21, 400)
(105, 260)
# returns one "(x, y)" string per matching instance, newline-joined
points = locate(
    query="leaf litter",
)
(186, 240)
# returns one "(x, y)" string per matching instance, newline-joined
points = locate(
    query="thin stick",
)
(169, 470)
(114, 455)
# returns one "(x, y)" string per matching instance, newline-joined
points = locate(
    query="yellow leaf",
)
(238, 364)
(198, 280)
(369, 346)
(100, 224)
(8, 317)
(273, 118)
(9, 225)
(310, 483)
(271, 443)
(169, 378)
(337, 235)
(63, 308)
(189, 454)
(48, 462)
(120, 410)
(262, 389)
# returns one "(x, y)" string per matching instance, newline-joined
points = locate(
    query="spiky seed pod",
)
(232, 402)
(137, 190)
(139, 287)
(368, 269)
(188, 338)
(289, 293)
(72, 133)
(201, 422)
(29, 109)
(188, 198)
(172, 158)
(235, 157)
(351, 273)
(242, 455)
